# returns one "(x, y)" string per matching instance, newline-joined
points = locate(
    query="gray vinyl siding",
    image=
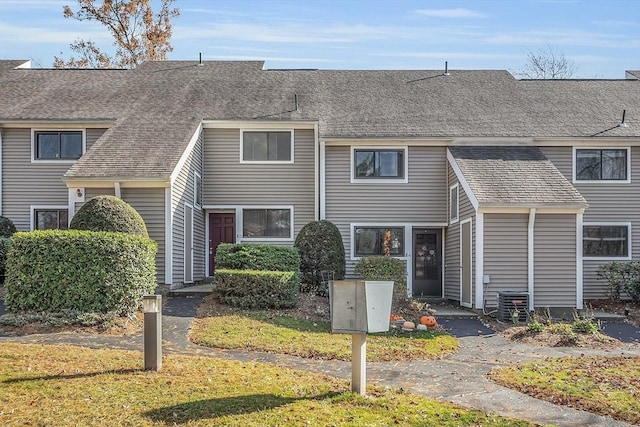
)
(25, 183)
(183, 192)
(452, 243)
(422, 200)
(505, 254)
(608, 202)
(555, 260)
(149, 202)
(229, 183)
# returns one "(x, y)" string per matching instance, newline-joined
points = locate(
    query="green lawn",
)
(261, 331)
(603, 385)
(70, 386)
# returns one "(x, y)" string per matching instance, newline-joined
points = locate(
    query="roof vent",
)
(446, 68)
(622, 124)
(200, 64)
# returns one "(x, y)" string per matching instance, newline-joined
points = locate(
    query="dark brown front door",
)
(427, 262)
(222, 229)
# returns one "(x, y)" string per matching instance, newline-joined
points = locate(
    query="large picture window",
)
(379, 163)
(48, 219)
(58, 145)
(601, 164)
(606, 241)
(369, 241)
(273, 223)
(263, 146)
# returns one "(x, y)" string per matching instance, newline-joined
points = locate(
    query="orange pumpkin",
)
(428, 321)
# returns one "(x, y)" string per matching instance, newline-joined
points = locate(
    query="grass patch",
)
(603, 385)
(263, 331)
(70, 386)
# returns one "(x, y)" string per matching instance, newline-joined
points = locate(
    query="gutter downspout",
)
(116, 190)
(531, 256)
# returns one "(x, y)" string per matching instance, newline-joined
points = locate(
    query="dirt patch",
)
(629, 309)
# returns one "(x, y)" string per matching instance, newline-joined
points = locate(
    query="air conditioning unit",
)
(511, 302)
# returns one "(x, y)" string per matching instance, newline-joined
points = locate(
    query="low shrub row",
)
(257, 275)
(257, 289)
(56, 270)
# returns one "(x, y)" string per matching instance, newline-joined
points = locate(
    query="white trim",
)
(479, 259)
(267, 162)
(73, 198)
(323, 180)
(168, 237)
(122, 182)
(629, 256)
(379, 180)
(197, 176)
(116, 190)
(257, 124)
(531, 257)
(462, 180)
(184, 254)
(464, 304)
(525, 209)
(579, 263)
(34, 208)
(581, 142)
(54, 161)
(240, 224)
(457, 217)
(600, 181)
(185, 154)
(1, 177)
(317, 172)
(385, 142)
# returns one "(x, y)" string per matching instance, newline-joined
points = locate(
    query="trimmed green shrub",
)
(109, 213)
(621, 276)
(86, 271)
(321, 250)
(4, 249)
(245, 256)
(7, 228)
(257, 289)
(386, 268)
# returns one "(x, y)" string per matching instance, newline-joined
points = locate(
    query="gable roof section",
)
(155, 108)
(514, 176)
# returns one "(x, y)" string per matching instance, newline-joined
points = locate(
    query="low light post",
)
(152, 309)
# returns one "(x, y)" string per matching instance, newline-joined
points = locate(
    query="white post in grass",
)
(359, 363)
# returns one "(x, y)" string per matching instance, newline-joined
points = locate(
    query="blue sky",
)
(602, 37)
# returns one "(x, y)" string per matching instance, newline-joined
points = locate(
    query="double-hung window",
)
(267, 146)
(58, 145)
(606, 240)
(603, 165)
(267, 223)
(370, 241)
(50, 218)
(379, 164)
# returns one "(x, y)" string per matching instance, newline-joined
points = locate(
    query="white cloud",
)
(560, 38)
(451, 13)
(38, 35)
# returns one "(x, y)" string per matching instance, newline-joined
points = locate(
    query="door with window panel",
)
(427, 263)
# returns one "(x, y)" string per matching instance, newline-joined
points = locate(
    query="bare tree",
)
(139, 33)
(547, 63)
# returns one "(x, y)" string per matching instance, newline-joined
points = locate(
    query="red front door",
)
(222, 229)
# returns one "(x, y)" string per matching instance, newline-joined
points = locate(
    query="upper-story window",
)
(267, 146)
(377, 164)
(594, 164)
(58, 145)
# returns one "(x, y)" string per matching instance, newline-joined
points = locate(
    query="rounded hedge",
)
(109, 213)
(321, 250)
(7, 228)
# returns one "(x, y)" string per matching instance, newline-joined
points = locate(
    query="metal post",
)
(359, 363)
(152, 307)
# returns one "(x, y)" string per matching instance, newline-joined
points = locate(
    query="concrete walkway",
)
(459, 378)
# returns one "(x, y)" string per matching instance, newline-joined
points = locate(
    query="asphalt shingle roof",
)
(514, 176)
(154, 110)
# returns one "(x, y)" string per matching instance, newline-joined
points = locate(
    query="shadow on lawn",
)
(225, 406)
(62, 376)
